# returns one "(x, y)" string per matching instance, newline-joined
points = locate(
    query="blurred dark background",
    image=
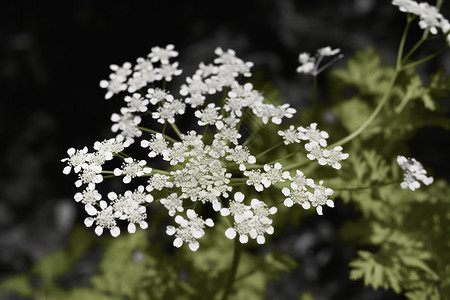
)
(54, 53)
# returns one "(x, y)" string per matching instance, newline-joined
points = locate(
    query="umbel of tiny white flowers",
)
(413, 173)
(429, 16)
(250, 220)
(201, 172)
(311, 64)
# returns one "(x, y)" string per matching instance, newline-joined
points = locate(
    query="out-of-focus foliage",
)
(133, 267)
(402, 235)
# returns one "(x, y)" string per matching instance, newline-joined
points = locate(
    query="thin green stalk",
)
(283, 158)
(415, 47)
(204, 132)
(369, 120)
(157, 171)
(420, 61)
(366, 187)
(107, 172)
(402, 42)
(270, 149)
(175, 128)
(155, 132)
(314, 99)
(233, 269)
(299, 164)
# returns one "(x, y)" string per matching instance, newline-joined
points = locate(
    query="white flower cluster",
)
(429, 15)
(203, 168)
(250, 220)
(144, 72)
(310, 64)
(317, 141)
(414, 172)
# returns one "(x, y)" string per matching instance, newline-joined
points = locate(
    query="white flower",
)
(136, 103)
(311, 133)
(298, 193)
(250, 220)
(275, 114)
(296, 196)
(90, 175)
(132, 168)
(163, 54)
(170, 70)
(176, 154)
(227, 133)
(291, 135)
(195, 85)
(77, 160)
(127, 123)
(237, 209)
(310, 64)
(274, 174)
(209, 116)
(299, 181)
(320, 197)
(334, 157)
(230, 62)
(157, 145)
(257, 179)
(241, 155)
(167, 112)
(307, 63)
(189, 230)
(429, 15)
(110, 147)
(116, 83)
(105, 218)
(128, 207)
(88, 196)
(172, 203)
(158, 95)
(414, 172)
(158, 182)
(327, 51)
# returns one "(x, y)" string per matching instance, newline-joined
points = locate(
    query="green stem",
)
(155, 132)
(204, 132)
(233, 269)
(367, 187)
(175, 128)
(369, 120)
(314, 104)
(283, 158)
(299, 164)
(157, 171)
(107, 172)
(415, 47)
(402, 42)
(418, 62)
(164, 127)
(270, 149)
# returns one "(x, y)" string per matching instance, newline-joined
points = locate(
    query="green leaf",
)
(306, 296)
(279, 261)
(375, 273)
(18, 284)
(365, 72)
(413, 91)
